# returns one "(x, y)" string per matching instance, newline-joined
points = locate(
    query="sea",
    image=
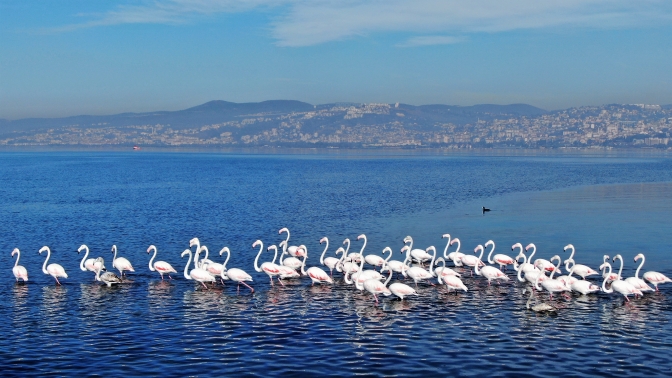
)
(603, 203)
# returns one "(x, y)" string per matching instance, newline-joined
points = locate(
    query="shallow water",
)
(148, 326)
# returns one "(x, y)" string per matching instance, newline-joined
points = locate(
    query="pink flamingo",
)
(196, 274)
(53, 270)
(235, 274)
(452, 282)
(316, 274)
(420, 255)
(329, 262)
(291, 250)
(371, 285)
(88, 264)
(654, 277)
(268, 267)
(542, 264)
(18, 270)
(489, 272)
(417, 273)
(618, 285)
(551, 285)
(160, 266)
(501, 259)
(579, 269)
(120, 263)
(456, 256)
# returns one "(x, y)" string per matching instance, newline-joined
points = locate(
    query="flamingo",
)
(545, 264)
(291, 261)
(583, 286)
(525, 266)
(398, 289)
(420, 255)
(235, 274)
(371, 285)
(120, 263)
(551, 285)
(196, 274)
(618, 285)
(531, 275)
(471, 260)
(580, 269)
(456, 256)
(87, 264)
(215, 269)
(515, 263)
(443, 270)
(489, 272)
(362, 275)
(291, 250)
(268, 267)
(654, 277)
(53, 270)
(396, 265)
(634, 281)
(329, 262)
(356, 257)
(610, 276)
(107, 278)
(285, 271)
(18, 270)
(375, 260)
(539, 307)
(501, 259)
(160, 266)
(417, 273)
(316, 274)
(452, 282)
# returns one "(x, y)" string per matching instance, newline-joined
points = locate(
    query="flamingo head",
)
(272, 247)
(568, 246)
(302, 251)
(639, 256)
(45, 248)
(324, 239)
(114, 248)
(603, 266)
(517, 245)
(256, 243)
(404, 249)
(360, 237)
(445, 236)
(440, 259)
(194, 242)
(408, 239)
(149, 249)
(186, 252)
(531, 245)
(15, 251)
(81, 248)
(478, 247)
(339, 250)
(556, 257)
(617, 257)
(430, 248)
(284, 229)
(456, 240)
(605, 258)
(387, 249)
(346, 241)
(225, 249)
(489, 242)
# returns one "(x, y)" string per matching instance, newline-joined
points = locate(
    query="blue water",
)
(602, 205)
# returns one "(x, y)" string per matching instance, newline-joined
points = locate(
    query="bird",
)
(531, 274)
(452, 282)
(654, 277)
(315, 274)
(501, 259)
(579, 269)
(371, 285)
(107, 278)
(420, 255)
(160, 266)
(235, 274)
(583, 286)
(18, 270)
(485, 209)
(291, 250)
(376, 260)
(551, 285)
(416, 273)
(634, 281)
(618, 285)
(87, 264)
(196, 274)
(120, 263)
(329, 262)
(358, 256)
(489, 272)
(53, 270)
(471, 261)
(395, 265)
(545, 264)
(210, 266)
(268, 267)
(291, 261)
(610, 276)
(456, 256)
(539, 307)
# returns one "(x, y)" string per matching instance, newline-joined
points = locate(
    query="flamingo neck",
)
(97, 274)
(303, 264)
(440, 272)
(151, 267)
(490, 261)
(275, 253)
(534, 250)
(431, 264)
(388, 257)
(114, 251)
(520, 270)
(361, 251)
(606, 277)
(81, 263)
(571, 256)
(256, 260)
(228, 256)
(478, 272)
(636, 273)
(389, 277)
(323, 252)
(459, 244)
(18, 256)
(186, 267)
(44, 266)
(556, 268)
(621, 268)
(445, 251)
(284, 248)
(536, 282)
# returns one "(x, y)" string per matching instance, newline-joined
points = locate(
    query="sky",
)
(71, 57)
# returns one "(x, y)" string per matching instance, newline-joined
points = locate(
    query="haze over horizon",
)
(78, 57)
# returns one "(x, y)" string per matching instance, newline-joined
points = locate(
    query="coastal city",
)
(386, 125)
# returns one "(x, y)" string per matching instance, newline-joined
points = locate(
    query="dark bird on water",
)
(485, 209)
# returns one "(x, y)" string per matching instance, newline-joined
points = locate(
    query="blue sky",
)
(60, 58)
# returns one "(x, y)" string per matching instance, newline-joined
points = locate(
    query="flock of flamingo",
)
(292, 265)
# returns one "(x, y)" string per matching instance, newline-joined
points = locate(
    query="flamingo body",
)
(20, 272)
(401, 290)
(656, 278)
(318, 275)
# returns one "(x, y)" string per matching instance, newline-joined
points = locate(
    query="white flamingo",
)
(329, 262)
(399, 289)
(235, 274)
(526, 266)
(452, 282)
(489, 272)
(53, 270)
(371, 285)
(214, 268)
(471, 261)
(120, 263)
(542, 264)
(608, 275)
(532, 274)
(108, 278)
(285, 271)
(316, 274)
(291, 261)
(634, 281)
(456, 256)
(290, 250)
(268, 267)
(160, 266)
(521, 252)
(618, 285)
(552, 285)
(374, 260)
(501, 259)
(362, 275)
(579, 269)
(654, 277)
(420, 255)
(583, 286)
(357, 257)
(345, 264)
(88, 264)
(397, 266)
(18, 270)
(196, 274)
(416, 273)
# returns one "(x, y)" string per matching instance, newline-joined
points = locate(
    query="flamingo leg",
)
(250, 287)
(376, 298)
(203, 283)
(58, 282)
(281, 283)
